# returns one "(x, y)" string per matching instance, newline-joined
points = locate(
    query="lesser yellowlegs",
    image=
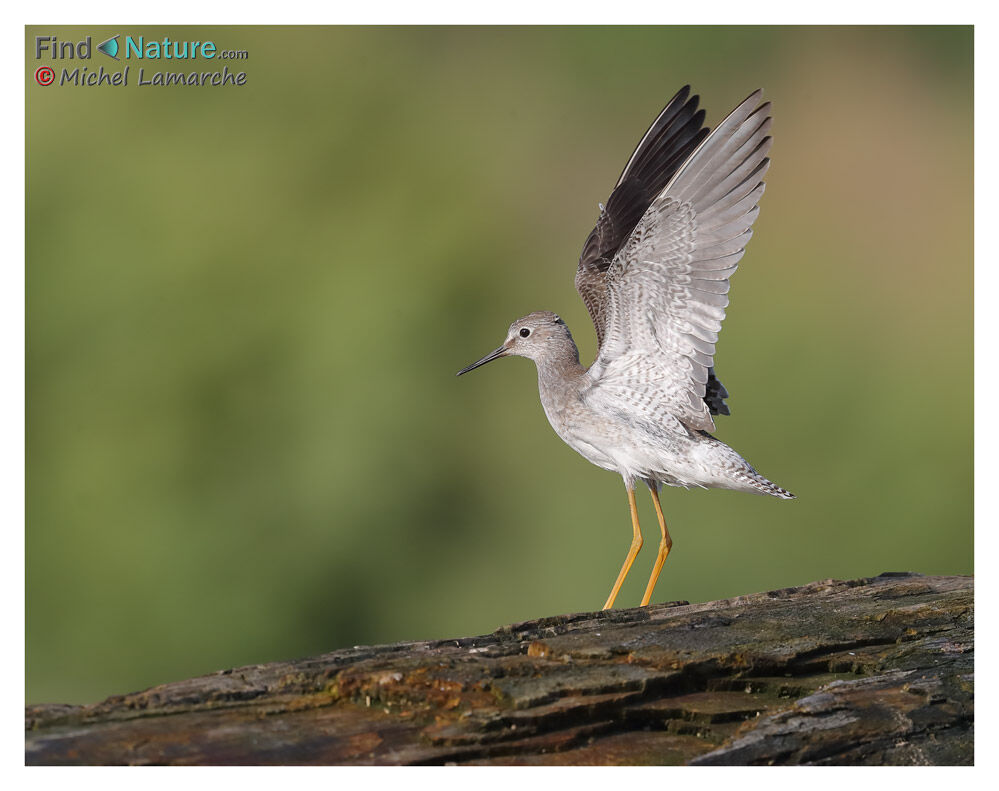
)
(654, 276)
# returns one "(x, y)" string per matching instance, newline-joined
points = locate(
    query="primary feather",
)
(667, 144)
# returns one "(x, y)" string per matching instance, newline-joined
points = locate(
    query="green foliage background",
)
(245, 308)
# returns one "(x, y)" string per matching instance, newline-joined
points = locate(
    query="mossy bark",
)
(871, 671)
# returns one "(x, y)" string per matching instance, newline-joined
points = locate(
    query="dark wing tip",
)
(674, 133)
(715, 395)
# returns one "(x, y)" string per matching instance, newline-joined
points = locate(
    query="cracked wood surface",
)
(870, 671)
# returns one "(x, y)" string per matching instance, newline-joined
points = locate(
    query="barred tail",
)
(764, 486)
(728, 470)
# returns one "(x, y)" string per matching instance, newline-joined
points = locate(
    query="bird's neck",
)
(559, 368)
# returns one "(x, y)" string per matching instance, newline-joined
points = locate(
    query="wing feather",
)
(707, 163)
(667, 144)
(711, 235)
(666, 289)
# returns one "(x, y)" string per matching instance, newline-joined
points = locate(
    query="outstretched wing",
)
(666, 145)
(666, 289)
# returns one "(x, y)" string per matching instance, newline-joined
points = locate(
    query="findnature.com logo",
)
(136, 48)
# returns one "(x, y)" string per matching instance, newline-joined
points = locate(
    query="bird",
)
(654, 276)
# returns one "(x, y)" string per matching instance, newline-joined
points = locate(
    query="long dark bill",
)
(493, 355)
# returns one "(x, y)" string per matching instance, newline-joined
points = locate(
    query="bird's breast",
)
(582, 430)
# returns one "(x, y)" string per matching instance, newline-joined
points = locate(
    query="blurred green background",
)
(246, 306)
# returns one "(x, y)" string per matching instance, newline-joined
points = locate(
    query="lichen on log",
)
(871, 671)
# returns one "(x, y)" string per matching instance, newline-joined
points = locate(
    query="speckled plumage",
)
(654, 276)
(623, 429)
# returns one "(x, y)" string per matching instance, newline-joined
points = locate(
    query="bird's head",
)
(535, 336)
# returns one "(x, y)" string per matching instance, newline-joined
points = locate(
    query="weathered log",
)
(872, 671)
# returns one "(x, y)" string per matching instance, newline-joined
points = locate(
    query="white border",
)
(509, 12)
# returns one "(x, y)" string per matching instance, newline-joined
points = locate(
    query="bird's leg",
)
(664, 546)
(636, 544)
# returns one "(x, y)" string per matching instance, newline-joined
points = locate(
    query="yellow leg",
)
(636, 544)
(664, 546)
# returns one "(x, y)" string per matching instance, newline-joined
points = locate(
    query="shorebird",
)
(654, 277)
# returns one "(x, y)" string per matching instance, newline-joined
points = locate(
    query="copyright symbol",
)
(44, 75)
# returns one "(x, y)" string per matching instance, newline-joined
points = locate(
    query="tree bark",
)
(870, 671)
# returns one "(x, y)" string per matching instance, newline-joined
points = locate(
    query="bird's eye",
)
(524, 332)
